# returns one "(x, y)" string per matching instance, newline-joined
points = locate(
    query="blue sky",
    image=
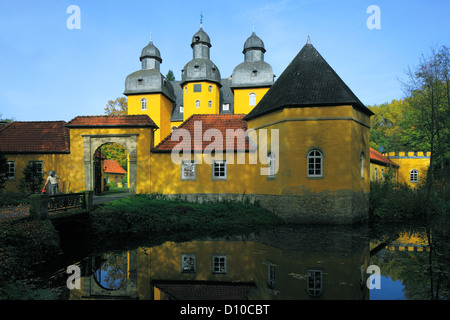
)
(49, 72)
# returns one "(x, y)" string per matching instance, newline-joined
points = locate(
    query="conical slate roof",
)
(307, 81)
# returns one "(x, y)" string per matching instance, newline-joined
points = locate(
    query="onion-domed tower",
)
(200, 79)
(252, 78)
(150, 93)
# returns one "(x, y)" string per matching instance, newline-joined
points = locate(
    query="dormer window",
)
(255, 72)
(140, 82)
(197, 38)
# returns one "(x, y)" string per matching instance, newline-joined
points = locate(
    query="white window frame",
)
(210, 104)
(315, 163)
(414, 176)
(181, 109)
(226, 107)
(219, 264)
(197, 103)
(210, 88)
(143, 104)
(252, 99)
(11, 173)
(216, 170)
(185, 164)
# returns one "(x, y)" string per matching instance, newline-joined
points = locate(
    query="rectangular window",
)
(219, 264)
(219, 170)
(271, 276)
(11, 172)
(188, 263)
(181, 109)
(198, 87)
(38, 167)
(314, 284)
(226, 107)
(188, 170)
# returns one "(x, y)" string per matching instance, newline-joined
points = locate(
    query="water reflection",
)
(301, 262)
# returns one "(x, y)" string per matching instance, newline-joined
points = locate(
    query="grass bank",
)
(144, 214)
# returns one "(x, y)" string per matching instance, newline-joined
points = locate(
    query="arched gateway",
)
(133, 132)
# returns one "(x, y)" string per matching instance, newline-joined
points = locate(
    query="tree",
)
(32, 180)
(428, 90)
(117, 107)
(3, 169)
(170, 76)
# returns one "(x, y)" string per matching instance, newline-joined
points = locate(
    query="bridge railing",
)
(41, 205)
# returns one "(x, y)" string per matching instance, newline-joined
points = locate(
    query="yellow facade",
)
(158, 108)
(200, 98)
(409, 161)
(50, 162)
(243, 102)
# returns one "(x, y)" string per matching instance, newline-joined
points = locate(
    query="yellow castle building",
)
(298, 145)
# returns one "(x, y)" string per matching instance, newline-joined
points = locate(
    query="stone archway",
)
(93, 142)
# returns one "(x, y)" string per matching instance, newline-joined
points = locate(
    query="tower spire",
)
(201, 20)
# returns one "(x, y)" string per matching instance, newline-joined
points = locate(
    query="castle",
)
(298, 146)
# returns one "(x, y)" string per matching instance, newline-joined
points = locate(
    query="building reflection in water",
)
(299, 262)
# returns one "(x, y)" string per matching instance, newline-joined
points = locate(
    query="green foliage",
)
(24, 242)
(3, 169)
(170, 76)
(142, 214)
(32, 180)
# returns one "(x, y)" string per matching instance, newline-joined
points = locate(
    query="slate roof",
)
(112, 166)
(220, 122)
(35, 137)
(307, 81)
(112, 121)
(377, 157)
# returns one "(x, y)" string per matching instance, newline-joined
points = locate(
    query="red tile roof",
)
(35, 137)
(112, 121)
(378, 157)
(233, 123)
(112, 166)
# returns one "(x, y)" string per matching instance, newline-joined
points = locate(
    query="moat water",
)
(407, 261)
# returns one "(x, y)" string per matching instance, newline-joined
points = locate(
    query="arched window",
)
(414, 175)
(314, 284)
(210, 88)
(210, 103)
(197, 103)
(361, 163)
(315, 163)
(143, 104)
(252, 99)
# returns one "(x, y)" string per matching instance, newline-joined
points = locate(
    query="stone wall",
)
(342, 207)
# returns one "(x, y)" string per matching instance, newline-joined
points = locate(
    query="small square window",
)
(188, 170)
(226, 107)
(188, 262)
(219, 264)
(219, 170)
(198, 87)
